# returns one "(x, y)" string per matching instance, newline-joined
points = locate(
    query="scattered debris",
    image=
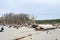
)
(1, 29)
(56, 39)
(30, 38)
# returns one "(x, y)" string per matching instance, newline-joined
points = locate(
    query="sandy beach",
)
(24, 33)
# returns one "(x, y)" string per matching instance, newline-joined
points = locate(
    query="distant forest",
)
(52, 21)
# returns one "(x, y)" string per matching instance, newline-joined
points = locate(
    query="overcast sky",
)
(41, 9)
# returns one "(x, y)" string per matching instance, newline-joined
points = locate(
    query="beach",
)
(25, 33)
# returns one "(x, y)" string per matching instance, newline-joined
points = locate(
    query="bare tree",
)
(21, 18)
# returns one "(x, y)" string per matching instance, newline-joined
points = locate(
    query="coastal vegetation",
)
(52, 21)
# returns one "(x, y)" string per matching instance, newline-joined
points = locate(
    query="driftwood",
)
(39, 28)
(34, 26)
(42, 29)
(26, 36)
(23, 37)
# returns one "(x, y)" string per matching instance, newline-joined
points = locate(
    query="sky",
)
(40, 9)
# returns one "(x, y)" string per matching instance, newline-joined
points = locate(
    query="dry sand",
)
(25, 33)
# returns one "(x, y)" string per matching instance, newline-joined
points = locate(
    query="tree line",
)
(52, 21)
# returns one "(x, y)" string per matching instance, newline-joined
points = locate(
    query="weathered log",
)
(34, 26)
